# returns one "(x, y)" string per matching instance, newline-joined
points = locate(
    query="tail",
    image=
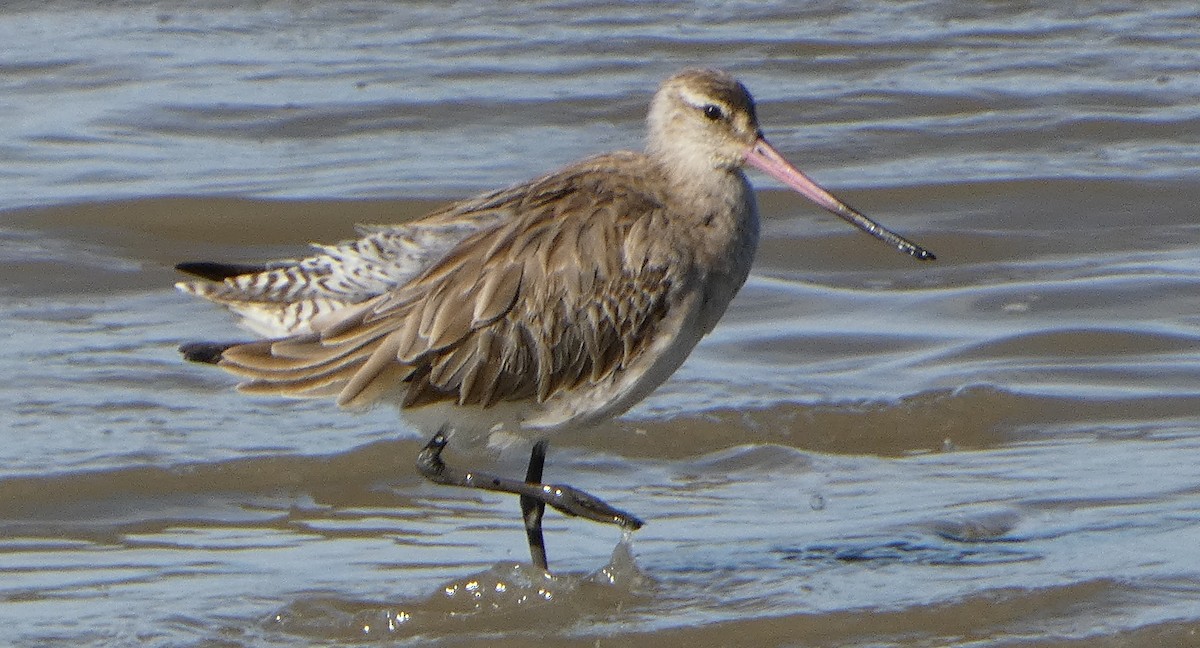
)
(205, 352)
(218, 271)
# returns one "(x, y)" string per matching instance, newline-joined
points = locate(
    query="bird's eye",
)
(713, 112)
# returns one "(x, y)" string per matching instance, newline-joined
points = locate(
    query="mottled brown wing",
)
(568, 290)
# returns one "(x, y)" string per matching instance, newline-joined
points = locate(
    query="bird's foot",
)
(567, 500)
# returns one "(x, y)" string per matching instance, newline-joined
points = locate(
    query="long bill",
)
(765, 158)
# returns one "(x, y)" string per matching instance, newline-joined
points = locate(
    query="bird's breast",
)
(723, 235)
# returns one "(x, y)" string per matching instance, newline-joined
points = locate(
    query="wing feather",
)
(563, 291)
(496, 295)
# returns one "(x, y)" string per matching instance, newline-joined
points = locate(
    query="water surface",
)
(996, 449)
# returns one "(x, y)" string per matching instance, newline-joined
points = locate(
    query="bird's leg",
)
(534, 494)
(532, 508)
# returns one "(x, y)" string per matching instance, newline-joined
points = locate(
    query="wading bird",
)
(556, 303)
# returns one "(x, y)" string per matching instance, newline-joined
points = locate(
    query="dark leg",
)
(534, 494)
(532, 509)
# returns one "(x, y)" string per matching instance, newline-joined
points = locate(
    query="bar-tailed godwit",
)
(556, 303)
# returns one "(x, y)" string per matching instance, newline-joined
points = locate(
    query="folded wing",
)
(563, 289)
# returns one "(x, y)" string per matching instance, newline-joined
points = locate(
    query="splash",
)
(507, 597)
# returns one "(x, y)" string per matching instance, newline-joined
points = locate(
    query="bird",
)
(557, 303)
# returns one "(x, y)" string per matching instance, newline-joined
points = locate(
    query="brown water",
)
(998, 449)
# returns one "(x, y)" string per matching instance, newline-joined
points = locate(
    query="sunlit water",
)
(996, 449)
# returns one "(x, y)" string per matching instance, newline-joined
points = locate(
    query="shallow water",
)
(996, 449)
